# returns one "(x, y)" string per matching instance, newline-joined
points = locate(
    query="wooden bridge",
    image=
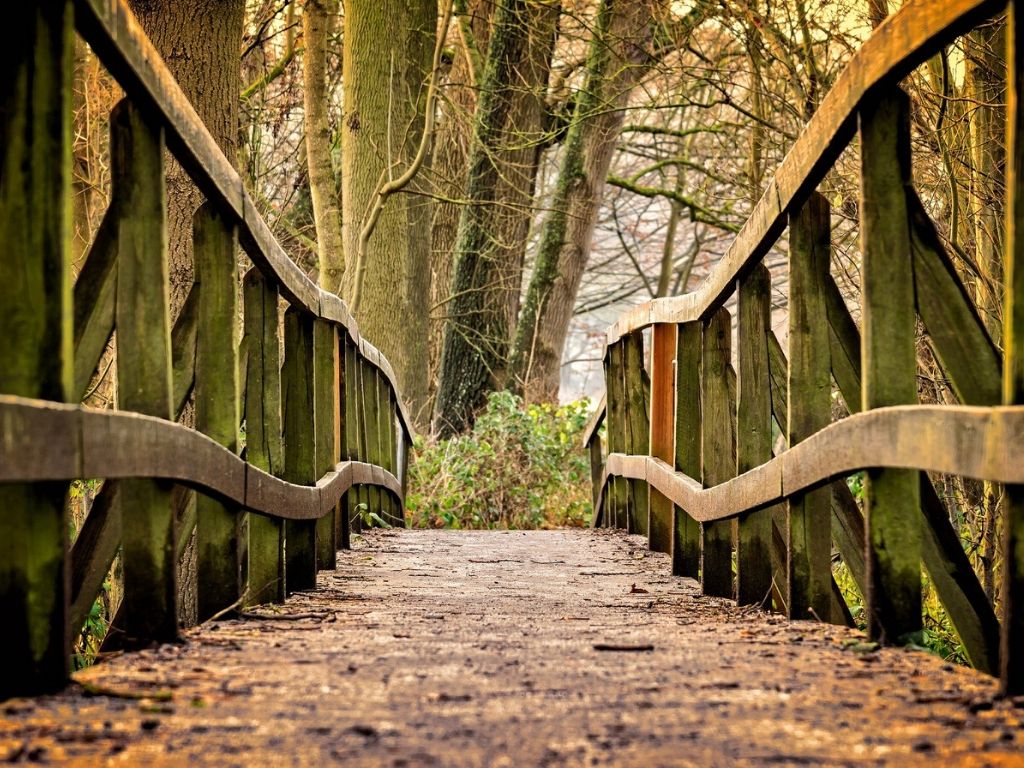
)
(497, 647)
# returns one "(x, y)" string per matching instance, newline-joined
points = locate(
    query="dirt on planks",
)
(542, 648)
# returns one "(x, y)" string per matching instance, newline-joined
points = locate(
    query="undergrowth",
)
(520, 467)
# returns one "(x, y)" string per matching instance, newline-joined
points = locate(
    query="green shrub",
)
(520, 467)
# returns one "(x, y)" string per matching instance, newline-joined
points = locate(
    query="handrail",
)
(53, 441)
(972, 442)
(115, 35)
(904, 40)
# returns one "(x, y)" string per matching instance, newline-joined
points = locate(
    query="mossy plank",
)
(299, 444)
(637, 426)
(219, 550)
(754, 434)
(809, 536)
(718, 454)
(889, 363)
(325, 352)
(35, 329)
(685, 530)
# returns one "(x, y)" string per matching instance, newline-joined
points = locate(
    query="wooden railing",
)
(689, 459)
(326, 440)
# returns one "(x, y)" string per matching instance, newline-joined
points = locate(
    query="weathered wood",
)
(889, 361)
(637, 427)
(663, 427)
(843, 346)
(718, 452)
(94, 300)
(1012, 647)
(754, 434)
(143, 368)
(596, 453)
(371, 432)
(686, 531)
(263, 448)
(809, 542)
(299, 443)
(948, 566)
(386, 416)
(219, 552)
(325, 352)
(352, 422)
(618, 499)
(35, 329)
(961, 343)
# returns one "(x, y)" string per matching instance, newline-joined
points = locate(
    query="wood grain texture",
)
(718, 451)
(808, 536)
(325, 352)
(619, 495)
(685, 530)
(889, 363)
(754, 434)
(1012, 645)
(264, 449)
(637, 426)
(143, 368)
(219, 549)
(35, 329)
(662, 428)
(299, 432)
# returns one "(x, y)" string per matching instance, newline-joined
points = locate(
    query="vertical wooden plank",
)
(637, 426)
(1012, 639)
(371, 410)
(663, 428)
(809, 394)
(263, 433)
(143, 369)
(616, 421)
(889, 364)
(341, 525)
(299, 444)
(754, 434)
(596, 473)
(325, 350)
(385, 427)
(351, 452)
(216, 390)
(685, 530)
(717, 449)
(35, 330)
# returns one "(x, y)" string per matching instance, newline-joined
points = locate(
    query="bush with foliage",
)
(520, 467)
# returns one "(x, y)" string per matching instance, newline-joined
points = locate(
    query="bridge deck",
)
(498, 648)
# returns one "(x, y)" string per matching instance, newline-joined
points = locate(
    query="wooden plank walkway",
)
(499, 648)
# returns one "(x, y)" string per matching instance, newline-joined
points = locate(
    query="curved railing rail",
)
(326, 436)
(690, 459)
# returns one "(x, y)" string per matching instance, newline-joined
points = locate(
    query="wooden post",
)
(325, 413)
(809, 538)
(143, 369)
(351, 418)
(263, 433)
(35, 330)
(889, 363)
(637, 426)
(216, 390)
(299, 444)
(717, 449)
(617, 491)
(663, 427)
(686, 531)
(371, 410)
(1012, 640)
(754, 435)
(596, 472)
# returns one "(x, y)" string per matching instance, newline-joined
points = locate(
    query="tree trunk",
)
(619, 57)
(450, 164)
(387, 53)
(494, 224)
(317, 23)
